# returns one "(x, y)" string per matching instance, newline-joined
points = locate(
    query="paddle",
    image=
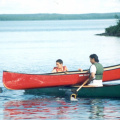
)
(82, 85)
(72, 95)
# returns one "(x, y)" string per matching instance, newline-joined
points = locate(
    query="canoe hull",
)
(17, 81)
(112, 91)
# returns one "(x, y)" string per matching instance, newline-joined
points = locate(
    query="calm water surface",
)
(34, 46)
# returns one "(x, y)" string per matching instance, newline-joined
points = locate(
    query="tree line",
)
(20, 17)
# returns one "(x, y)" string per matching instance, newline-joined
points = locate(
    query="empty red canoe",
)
(17, 81)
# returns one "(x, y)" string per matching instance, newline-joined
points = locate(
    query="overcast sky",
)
(58, 6)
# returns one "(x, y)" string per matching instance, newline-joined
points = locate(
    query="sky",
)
(58, 6)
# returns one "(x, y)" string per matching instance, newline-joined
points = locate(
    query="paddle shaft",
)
(82, 85)
(74, 94)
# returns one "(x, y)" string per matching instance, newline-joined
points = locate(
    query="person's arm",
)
(92, 73)
(54, 71)
(66, 68)
(92, 76)
(81, 70)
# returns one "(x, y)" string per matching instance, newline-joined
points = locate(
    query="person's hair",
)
(95, 57)
(59, 61)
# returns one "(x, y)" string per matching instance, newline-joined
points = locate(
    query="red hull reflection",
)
(36, 109)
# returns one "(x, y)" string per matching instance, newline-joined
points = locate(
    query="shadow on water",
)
(1, 90)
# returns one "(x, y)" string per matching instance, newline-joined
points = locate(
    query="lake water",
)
(34, 46)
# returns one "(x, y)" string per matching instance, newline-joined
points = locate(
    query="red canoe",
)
(17, 81)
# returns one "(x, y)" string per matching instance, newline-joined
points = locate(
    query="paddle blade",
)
(69, 95)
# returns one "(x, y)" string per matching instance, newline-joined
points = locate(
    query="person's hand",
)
(81, 70)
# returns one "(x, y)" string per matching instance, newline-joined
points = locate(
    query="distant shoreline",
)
(112, 30)
(61, 20)
(41, 17)
(109, 35)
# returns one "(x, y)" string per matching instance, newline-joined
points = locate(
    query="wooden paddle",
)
(82, 85)
(73, 94)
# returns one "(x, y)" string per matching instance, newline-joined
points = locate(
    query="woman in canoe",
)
(96, 71)
(59, 67)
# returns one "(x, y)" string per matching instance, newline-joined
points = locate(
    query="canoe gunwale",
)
(72, 72)
(107, 85)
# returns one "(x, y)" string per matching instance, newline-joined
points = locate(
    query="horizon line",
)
(57, 13)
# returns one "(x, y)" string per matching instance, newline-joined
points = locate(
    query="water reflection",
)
(54, 108)
(36, 109)
(104, 109)
(96, 109)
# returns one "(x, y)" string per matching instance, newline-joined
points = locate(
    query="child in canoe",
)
(59, 67)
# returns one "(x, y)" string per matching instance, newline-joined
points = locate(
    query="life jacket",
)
(99, 71)
(60, 70)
